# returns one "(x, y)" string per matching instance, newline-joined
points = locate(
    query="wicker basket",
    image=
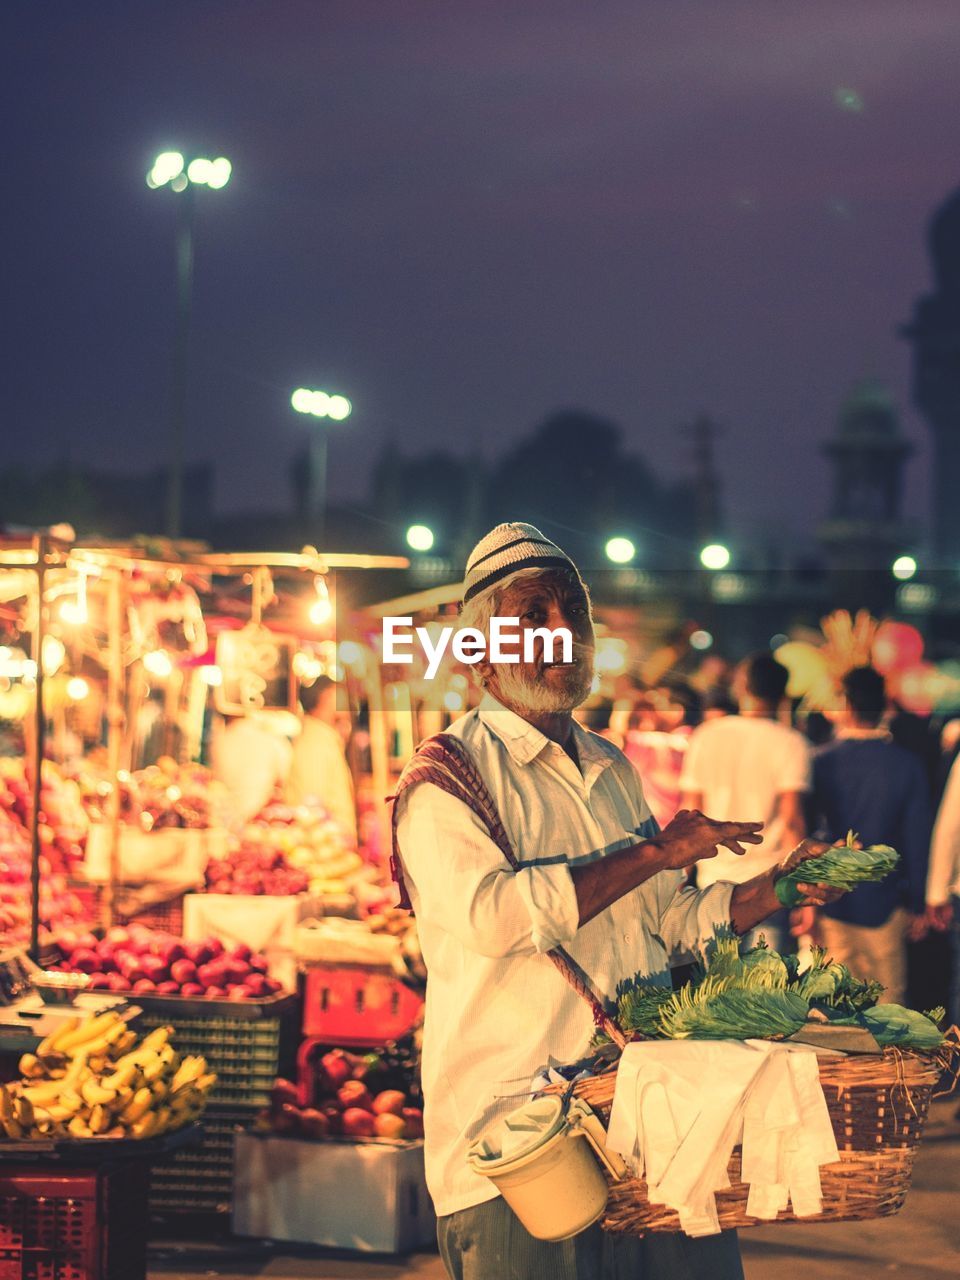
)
(878, 1106)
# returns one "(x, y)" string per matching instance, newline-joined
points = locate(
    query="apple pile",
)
(255, 870)
(147, 961)
(348, 1108)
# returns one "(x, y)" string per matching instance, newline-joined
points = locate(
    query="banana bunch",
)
(92, 1078)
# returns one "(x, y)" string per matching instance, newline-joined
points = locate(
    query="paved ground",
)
(921, 1243)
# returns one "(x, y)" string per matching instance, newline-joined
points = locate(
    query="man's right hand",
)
(691, 837)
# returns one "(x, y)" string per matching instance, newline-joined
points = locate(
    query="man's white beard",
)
(542, 698)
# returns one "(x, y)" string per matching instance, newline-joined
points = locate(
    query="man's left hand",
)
(814, 895)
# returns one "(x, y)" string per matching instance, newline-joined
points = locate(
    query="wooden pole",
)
(116, 721)
(39, 737)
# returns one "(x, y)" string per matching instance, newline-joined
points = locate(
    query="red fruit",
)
(173, 951)
(287, 1119)
(199, 953)
(334, 1117)
(414, 1120)
(211, 974)
(273, 986)
(259, 964)
(238, 992)
(144, 984)
(391, 1100)
(215, 993)
(355, 1094)
(357, 1123)
(236, 971)
(118, 982)
(314, 1123)
(99, 982)
(154, 968)
(389, 1125)
(256, 986)
(85, 960)
(283, 1091)
(183, 971)
(118, 936)
(168, 988)
(215, 946)
(336, 1068)
(241, 952)
(191, 989)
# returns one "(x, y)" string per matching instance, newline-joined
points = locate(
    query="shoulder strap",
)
(444, 761)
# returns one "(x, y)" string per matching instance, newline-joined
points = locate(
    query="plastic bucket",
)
(549, 1175)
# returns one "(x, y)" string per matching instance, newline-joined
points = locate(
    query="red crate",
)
(357, 1006)
(73, 1224)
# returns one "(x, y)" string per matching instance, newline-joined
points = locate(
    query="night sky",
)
(466, 215)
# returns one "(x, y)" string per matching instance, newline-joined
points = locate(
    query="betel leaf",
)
(841, 867)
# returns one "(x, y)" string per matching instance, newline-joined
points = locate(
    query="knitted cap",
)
(506, 550)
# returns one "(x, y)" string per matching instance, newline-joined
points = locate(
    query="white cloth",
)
(250, 760)
(943, 874)
(741, 765)
(497, 1009)
(681, 1106)
(319, 772)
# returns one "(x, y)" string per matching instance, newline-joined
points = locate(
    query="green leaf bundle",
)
(842, 867)
(722, 1009)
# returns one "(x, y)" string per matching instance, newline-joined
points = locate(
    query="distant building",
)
(864, 529)
(934, 334)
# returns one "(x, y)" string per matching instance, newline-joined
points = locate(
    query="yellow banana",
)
(100, 1119)
(206, 1082)
(95, 1093)
(190, 1069)
(88, 1032)
(138, 1106)
(155, 1041)
(122, 1100)
(122, 1078)
(78, 1128)
(164, 1116)
(41, 1095)
(50, 1043)
(159, 1090)
(118, 1131)
(125, 1043)
(61, 1112)
(152, 1070)
(146, 1127)
(104, 1044)
(31, 1066)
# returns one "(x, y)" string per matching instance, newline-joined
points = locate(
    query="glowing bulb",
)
(53, 655)
(167, 166)
(420, 537)
(321, 611)
(620, 550)
(306, 667)
(350, 652)
(701, 640)
(338, 408)
(715, 556)
(158, 663)
(212, 676)
(180, 182)
(453, 701)
(73, 612)
(611, 656)
(903, 568)
(319, 404)
(220, 171)
(77, 689)
(302, 400)
(199, 171)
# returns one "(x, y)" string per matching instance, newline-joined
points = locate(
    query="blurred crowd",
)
(726, 739)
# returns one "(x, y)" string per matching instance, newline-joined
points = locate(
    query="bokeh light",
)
(715, 556)
(620, 550)
(903, 568)
(420, 537)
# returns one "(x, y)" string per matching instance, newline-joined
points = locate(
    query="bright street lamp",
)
(903, 568)
(319, 404)
(715, 556)
(172, 169)
(620, 550)
(420, 537)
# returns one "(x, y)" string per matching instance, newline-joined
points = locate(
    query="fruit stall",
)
(260, 954)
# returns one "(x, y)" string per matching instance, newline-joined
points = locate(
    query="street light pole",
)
(319, 405)
(180, 370)
(171, 169)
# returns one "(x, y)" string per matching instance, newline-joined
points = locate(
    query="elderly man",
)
(592, 873)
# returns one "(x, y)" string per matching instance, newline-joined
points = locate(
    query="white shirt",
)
(943, 874)
(319, 772)
(741, 765)
(497, 1008)
(250, 760)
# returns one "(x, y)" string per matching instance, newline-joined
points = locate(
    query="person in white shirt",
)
(750, 763)
(319, 770)
(592, 874)
(943, 877)
(252, 761)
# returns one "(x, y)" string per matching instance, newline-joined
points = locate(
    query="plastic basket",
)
(74, 1224)
(199, 1182)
